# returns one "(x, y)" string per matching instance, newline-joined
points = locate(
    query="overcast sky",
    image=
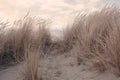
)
(59, 11)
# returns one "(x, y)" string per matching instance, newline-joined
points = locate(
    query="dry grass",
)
(37, 45)
(97, 35)
(13, 39)
(31, 63)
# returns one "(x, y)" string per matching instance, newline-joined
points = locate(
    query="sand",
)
(11, 73)
(59, 67)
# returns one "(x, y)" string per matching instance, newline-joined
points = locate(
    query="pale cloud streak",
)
(59, 11)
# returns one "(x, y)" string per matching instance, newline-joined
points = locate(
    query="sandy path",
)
(12, 73)
(59, 67)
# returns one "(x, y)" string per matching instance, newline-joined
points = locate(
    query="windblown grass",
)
(16, 37)
(38, 45)
(31, 63)
(97, 36)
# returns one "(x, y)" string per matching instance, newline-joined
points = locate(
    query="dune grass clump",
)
(15, 37)
(37, 45)
(97, 36)
(3, 27)
(31, 63)
(43, 38)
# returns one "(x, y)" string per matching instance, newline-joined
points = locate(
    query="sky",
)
(60, 12)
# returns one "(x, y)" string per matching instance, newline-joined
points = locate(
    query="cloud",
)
(60, 11)
(70, 1)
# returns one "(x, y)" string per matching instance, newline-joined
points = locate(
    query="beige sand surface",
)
(59, 67)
